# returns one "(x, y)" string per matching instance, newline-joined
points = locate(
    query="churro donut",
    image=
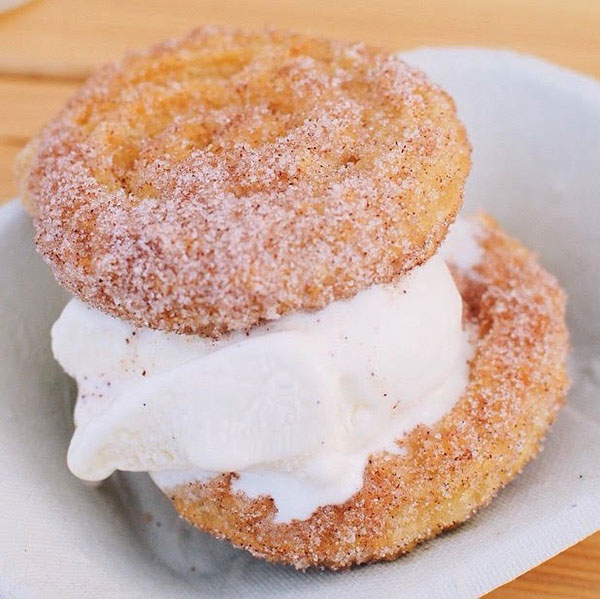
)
(209, 184)
(446, 472)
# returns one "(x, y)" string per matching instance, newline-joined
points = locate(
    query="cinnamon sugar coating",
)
(212, 183)
(517, 383)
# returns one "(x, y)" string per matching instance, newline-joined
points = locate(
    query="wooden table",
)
(49, 46)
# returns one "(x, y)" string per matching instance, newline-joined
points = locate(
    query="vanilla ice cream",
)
(294, 406)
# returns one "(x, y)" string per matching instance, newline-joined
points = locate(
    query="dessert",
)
(281, 136)
(271, 316)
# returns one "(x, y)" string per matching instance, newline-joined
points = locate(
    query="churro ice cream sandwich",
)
(276, 312)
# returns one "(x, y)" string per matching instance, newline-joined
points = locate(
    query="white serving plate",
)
(535, 130)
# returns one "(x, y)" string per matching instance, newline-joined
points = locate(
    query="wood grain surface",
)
(49, 46)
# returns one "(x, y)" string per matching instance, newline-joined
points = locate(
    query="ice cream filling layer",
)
(294, 407)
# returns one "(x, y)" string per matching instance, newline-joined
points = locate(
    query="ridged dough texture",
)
(212, 183)
(517, 382)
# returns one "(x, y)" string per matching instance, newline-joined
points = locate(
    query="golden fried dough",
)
(209, 184)
(517, 383)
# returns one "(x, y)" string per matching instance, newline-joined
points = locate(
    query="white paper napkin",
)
(535, 131)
